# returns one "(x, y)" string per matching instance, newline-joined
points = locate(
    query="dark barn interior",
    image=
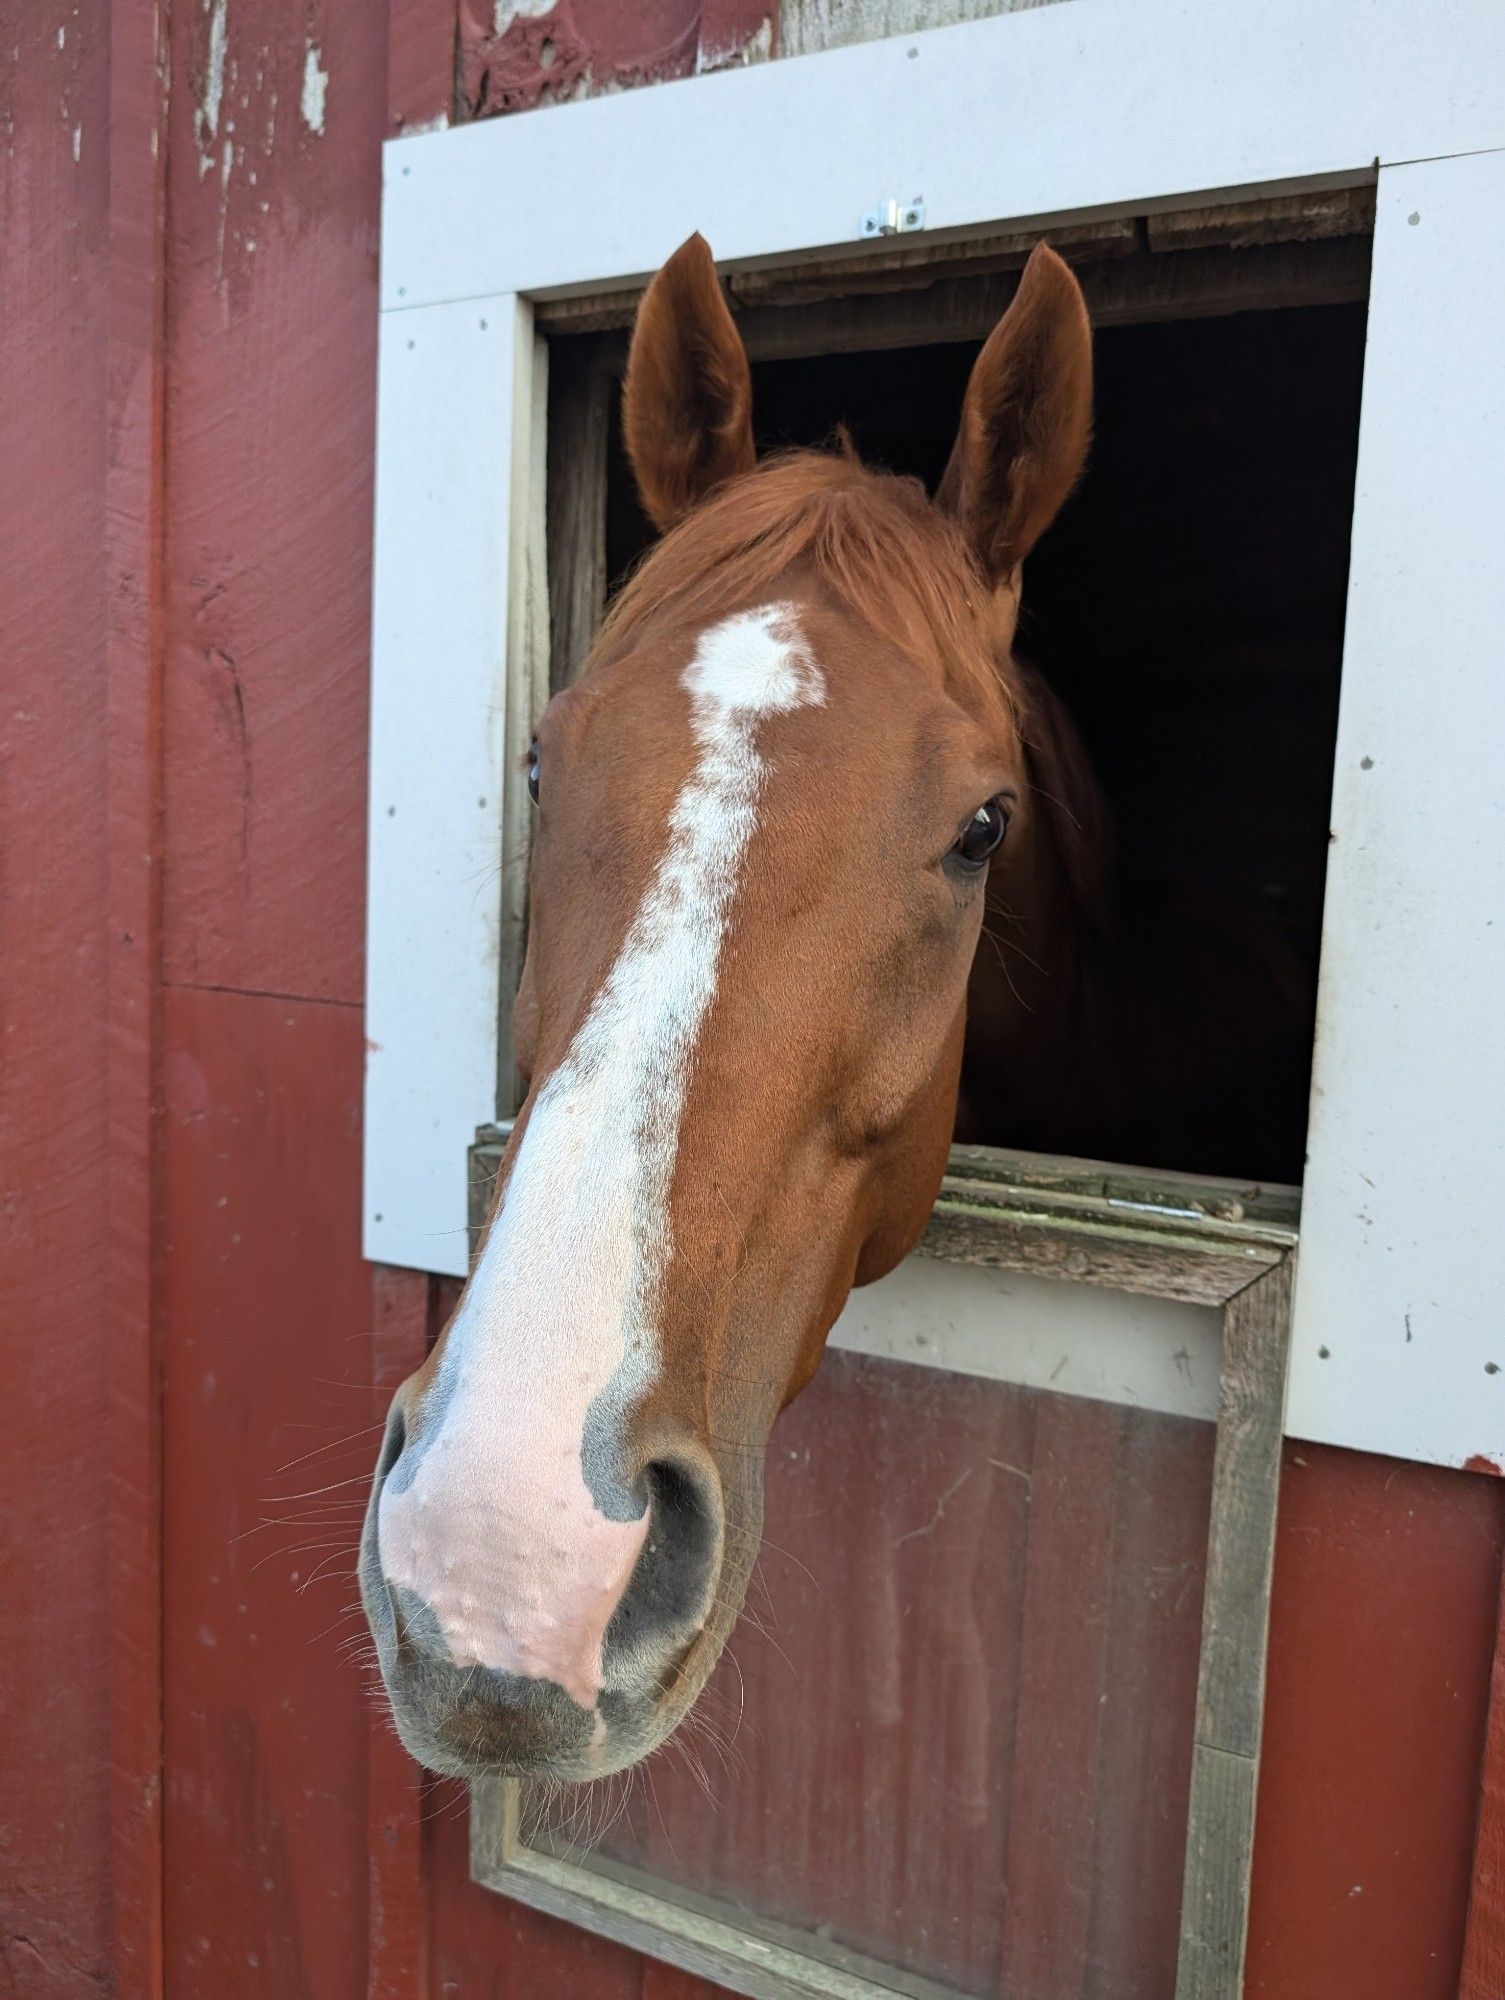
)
(1188, 606)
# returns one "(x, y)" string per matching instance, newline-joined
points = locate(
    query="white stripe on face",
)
(507, 1513)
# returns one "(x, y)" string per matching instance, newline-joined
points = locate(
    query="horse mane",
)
(873, 539)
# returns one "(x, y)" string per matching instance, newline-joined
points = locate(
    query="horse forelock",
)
(872, 540)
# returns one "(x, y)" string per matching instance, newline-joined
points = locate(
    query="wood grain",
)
(1235, 1626)
(808, 25)
(1060, 1706)
(987, 1601)
(1219, 1841)
(1246, 1486)
(1175, 1236)
(74, 1444)
(580, 395)
(267, 1397)
(270, 435)
(962, 298)
(134, 504)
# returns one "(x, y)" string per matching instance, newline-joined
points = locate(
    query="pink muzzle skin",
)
(519, 1566)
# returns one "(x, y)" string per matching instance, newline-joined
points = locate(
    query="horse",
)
(798, 775)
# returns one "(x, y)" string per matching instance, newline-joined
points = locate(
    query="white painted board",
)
(446, 400)
(1078, 1340)
(1399, 1333)
(1047, 114)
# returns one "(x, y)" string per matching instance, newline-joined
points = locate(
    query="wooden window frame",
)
(1179, 1237)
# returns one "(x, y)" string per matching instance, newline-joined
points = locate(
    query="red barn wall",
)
(197, 1798)
(54, 1789)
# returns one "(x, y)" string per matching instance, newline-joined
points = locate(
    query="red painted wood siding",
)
(54, 1742)
(186, 358)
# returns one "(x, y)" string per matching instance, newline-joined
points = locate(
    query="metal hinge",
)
(894, 217)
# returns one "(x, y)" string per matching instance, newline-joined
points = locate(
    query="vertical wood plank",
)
(63, 1269)
(266, 1334)
(527, 689)
(133, 774)
(580, 395)
(1245, 1493)
(1402, 1287)
(1058, 1714)
(1484, 1940)
(1235, 1626)
(402, 1328)
(420, 63)
(449, 389)
(1384, 1624)
(271, 353)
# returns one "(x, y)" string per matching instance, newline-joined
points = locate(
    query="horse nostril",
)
(669, 1594)
(682, 1508)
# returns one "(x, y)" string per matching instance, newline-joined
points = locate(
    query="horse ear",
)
(1026, 419)
(687, 403)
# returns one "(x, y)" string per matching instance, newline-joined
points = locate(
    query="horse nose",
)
(516, 1603)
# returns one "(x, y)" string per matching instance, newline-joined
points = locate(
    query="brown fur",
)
(873, 541)
(820, 1103)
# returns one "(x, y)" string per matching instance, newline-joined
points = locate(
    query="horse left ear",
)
(1026, 419)
(687, 402)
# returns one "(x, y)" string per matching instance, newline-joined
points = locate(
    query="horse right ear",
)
(1026, 420)
(687, 403)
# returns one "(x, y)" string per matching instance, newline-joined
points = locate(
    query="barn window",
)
(1259, 238)
(1027, 1573)
(1188, 607)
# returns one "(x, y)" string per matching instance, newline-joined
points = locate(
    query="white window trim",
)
(1044, 116)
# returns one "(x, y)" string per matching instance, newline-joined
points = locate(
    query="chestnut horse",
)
(799, 763)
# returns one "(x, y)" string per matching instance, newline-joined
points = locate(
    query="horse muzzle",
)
(517, 1631)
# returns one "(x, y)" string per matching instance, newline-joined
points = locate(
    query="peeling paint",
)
(753, 48)
(78, 143)
(515, 54)
(227, 161)
(1479, 1463)
(206, 117)
(315, 85)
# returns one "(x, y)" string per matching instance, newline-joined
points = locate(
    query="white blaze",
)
(497, 1529)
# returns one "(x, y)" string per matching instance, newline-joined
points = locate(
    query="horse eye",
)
(982, 836)
(533, 772)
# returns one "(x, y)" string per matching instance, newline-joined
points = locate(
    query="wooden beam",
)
(1206, 283)
(1171, 1236)
(1205, 264)
(1235, 1629)
(756, 1957)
